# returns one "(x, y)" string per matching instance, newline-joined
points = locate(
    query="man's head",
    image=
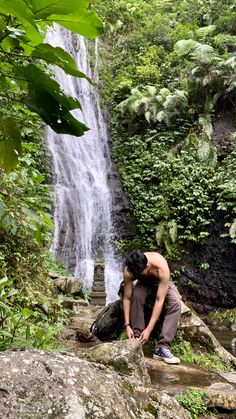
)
(136, 262)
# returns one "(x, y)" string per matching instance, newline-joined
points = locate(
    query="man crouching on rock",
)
(152, 273)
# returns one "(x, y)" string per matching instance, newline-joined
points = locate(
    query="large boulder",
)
(221, 395)
(38, 384)
(125, 356)
(67, 284)
(197, 332)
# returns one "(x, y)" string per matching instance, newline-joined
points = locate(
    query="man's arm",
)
(164, 277)
(128, 289)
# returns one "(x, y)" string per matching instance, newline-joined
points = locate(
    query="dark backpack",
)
(110, 322)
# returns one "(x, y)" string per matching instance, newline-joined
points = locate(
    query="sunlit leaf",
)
(173, 230)
(73, 15)
(184, 46)
(10, 144)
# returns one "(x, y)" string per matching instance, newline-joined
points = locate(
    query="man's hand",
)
(144, 336)
(129, 332)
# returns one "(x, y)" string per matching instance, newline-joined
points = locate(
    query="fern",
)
(202, 33)
(173, 230)
(184, 46)
(224, 40)
(203, 53)
(160, 229)
(206, 125)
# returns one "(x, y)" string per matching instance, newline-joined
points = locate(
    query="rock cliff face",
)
(121, 207)
(209, 277)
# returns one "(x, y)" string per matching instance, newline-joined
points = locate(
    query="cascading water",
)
(82, 217)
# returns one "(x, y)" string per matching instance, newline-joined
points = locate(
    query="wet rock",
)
(53, 275)
(68, 285)
(221, 395)
(125, 357)
(229, 376)
(233, 327)
(84, 335)
(68, 302)
(170, 405)
(68, 334)
(83, 303)
(174, 379)
(81, 323)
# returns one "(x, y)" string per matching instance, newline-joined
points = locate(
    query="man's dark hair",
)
(136, 262)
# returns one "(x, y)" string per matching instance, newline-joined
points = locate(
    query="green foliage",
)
(187, 353)
(24, 60)
(155, 106)
(33, 314)
(22, 327)
(171, 63)
(52, 265)
(226, 197)
(226, 316)
(193, 401)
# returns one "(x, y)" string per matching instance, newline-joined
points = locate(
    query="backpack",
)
(109, 323)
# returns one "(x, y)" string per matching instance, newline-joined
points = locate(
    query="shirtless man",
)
(152, 273)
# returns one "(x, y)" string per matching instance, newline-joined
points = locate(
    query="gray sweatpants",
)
(143, 298)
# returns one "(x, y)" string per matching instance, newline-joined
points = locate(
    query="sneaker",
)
(165, 355)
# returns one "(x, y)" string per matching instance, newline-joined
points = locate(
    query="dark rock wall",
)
(209, 277)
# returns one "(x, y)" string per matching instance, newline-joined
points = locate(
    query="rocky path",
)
(173, 378)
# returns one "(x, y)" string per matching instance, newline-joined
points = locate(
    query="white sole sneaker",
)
(173, 360)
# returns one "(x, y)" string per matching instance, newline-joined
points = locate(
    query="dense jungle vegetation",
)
(168, 76)
(31, 313)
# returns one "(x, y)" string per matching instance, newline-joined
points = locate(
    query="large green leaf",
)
(10, 144)
(41, 80)
(85, 23)
(57, 56)
(184, 46)
(73, 15)
(21, 10)
(6, 281)
(58, 118)
(44, 8)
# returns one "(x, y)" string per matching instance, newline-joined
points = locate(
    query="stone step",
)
(98, 294)
(98, 302)
(99, 283)
(97, 289)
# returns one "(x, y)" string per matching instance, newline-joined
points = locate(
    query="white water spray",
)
(82, 164)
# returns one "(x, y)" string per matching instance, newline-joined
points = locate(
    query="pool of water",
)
(225, 338)
(180, 378)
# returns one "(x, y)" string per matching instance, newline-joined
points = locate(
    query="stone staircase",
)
(98, 294)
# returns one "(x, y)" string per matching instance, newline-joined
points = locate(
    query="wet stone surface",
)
(177, 378)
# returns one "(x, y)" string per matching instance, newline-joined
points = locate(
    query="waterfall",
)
(82, 217)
